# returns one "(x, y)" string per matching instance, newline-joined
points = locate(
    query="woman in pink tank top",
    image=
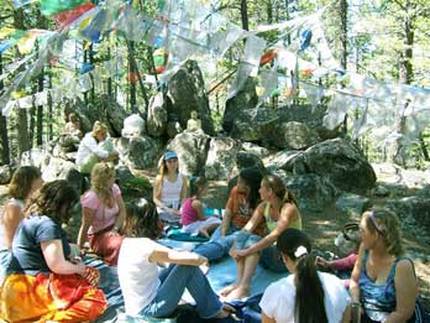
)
(192, 217)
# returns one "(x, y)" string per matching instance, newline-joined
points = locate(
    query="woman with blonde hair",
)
(103, 214)
(94, 148)
(43, 283)
(383, 284)
(170, 188)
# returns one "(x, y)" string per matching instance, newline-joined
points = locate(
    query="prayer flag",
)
(67, 17)
(52, 7)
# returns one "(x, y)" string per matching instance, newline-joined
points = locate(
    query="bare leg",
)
(228, 289)
(243, 288)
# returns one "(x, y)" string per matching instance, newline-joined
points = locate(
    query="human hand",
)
(319, 261)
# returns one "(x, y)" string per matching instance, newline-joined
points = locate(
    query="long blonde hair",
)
(386, 223)
(101, 174)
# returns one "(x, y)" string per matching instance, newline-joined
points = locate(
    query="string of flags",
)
(186, 29)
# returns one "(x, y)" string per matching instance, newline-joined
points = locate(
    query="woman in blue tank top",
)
(383, 284)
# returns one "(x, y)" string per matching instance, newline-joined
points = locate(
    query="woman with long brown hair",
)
(43, 283)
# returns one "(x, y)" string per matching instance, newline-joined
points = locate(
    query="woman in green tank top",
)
(279, 211)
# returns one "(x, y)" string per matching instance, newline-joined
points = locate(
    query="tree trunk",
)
(343, 33)
(269, 8)
(41, 23)
(22, 119)
(132, 76)
(406, 69)
(4, 138)
(244, 14)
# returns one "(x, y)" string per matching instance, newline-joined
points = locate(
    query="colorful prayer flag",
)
(52, 7)
(67, 17)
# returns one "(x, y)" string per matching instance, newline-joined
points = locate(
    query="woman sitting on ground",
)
(94, 148)
(150, 292)
(103, 214)
(242, 201)
(25, 181)
(383, 283)
(170, 188)
(42, 284)
(306, 295)
(277, 212)
(193, 219)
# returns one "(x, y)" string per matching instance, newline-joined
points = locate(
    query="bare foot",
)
(227, 290)
(238, 293)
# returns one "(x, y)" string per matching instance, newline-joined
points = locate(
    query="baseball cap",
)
(169, 155)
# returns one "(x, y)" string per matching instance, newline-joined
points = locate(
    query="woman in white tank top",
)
(170, 189)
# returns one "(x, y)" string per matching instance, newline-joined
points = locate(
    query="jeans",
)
(215, 250)
(245, 239)
(271, 259)
(217, 233)
(174, 280)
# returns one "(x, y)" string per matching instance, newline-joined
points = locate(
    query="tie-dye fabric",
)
(50, 297)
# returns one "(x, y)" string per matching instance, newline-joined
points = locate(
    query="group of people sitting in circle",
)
(45, 278)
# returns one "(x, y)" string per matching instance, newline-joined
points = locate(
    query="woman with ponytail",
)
(305, 296)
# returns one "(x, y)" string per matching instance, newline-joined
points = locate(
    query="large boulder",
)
(413, 213)
(138, 152)
(245, 99)
(339, 160)
(313, 192)
(254, 124)
(157, 116)
(186, 93)
(191, 148)
(294, 135)
(221, 158)
(104, 109)
(5, 174)
(352, 204)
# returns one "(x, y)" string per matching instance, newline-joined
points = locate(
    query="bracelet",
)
(355, 304)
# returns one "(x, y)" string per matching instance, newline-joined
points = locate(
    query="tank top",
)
(188, 214)
(171, 192)
(378, 300)
(16, 202)
(271, 224)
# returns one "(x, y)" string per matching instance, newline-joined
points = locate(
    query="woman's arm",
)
(266, 319)
(406, 292)
(87, 220)
(11, 218)
(226, 220)
(157, 192)
(166, 255)
(354, 287)
(53, 253)
(119, 223)
(198, 207)
(288, 212)
(184, 190)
